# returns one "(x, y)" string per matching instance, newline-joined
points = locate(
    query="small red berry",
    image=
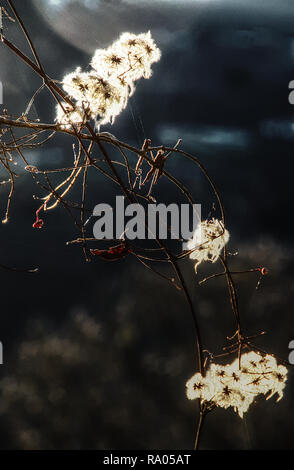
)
(264, 271)
(38, 224)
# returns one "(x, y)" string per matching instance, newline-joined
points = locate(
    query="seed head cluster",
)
(238, 387)
(103, 93)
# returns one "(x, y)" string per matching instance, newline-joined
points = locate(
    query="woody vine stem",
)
(74, 115)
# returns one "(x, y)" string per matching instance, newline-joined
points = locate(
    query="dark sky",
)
(222, 86)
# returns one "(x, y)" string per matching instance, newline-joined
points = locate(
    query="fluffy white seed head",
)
(141, 52)
(105, 98)
(67, 115)
(208, 240)
(110, 62)
(75, 84)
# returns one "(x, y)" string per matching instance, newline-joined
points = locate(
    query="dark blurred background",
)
(96, 355)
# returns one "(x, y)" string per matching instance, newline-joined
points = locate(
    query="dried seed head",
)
(208, 241)
(104, 91)
(229, 385)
